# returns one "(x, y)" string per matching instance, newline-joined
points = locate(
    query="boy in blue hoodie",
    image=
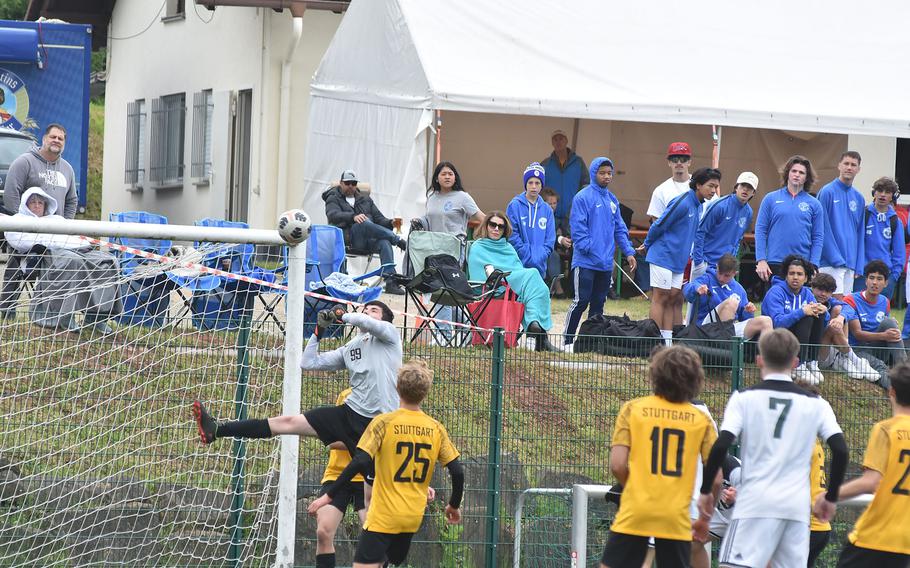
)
(790, 221)
(533, 226)
(724, 299)
(884, 238)
(668, 245)
(790, 304)
(725, 222)
(597, 228)
(844, 207)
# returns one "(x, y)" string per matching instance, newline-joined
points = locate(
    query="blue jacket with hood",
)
(883, 243)
(844, 209)
(533, 231)
(566, 181)
(717, 294)
(798, 224)
(670, 238)
(721, 230)
(597, 226)
(783, 306)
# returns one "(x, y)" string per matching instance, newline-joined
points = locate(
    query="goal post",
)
(100, 461)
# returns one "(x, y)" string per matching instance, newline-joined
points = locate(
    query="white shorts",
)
(756, 542)
(843, 278)
(718, 525)
(664, 279)
(739, 327)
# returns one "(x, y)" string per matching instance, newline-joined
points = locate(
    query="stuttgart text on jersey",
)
(668, 414)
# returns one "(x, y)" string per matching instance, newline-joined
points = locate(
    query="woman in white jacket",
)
(71, 276)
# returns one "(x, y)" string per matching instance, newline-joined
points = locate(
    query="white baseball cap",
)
(748, 177)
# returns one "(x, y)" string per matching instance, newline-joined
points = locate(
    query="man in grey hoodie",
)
(45, 168)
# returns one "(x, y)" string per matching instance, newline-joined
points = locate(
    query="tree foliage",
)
(13, 9)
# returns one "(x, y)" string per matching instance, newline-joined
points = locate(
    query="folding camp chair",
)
(219, 302)
(430, 293)
(146, 300)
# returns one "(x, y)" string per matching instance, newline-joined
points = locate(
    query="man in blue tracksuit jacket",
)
(566, 173)
(722, 228)
(668, 245)
(597, 228)
(789, 221)
(533, 227)
(844, 207)
(884, 237)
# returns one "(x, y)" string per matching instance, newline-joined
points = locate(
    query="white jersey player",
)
(776, 423)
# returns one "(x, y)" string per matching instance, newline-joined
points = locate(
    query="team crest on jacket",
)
(879, 316)
(804, 207)
(886, 232)
(542, 223)
(613, 207)
(852, 205)
(742, 222)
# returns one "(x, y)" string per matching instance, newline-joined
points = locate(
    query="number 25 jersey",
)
(667, 444)
(405, 446)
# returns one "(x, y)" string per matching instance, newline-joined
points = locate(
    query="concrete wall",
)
(228, 50)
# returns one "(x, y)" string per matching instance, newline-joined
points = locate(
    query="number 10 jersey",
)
(776, 423)
(668, 442)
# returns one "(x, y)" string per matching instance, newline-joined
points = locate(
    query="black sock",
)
(244, 429)
(325, 560)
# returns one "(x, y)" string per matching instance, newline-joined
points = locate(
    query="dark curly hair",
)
(811, 176)
(798, 261)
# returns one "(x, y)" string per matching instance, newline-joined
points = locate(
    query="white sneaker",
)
(848, 365)
(802, 373)
(570, 348)
(864, 369)
(817, 376)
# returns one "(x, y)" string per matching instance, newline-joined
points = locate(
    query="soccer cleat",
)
(204, 423)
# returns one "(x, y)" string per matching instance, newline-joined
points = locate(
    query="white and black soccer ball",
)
(294, 226)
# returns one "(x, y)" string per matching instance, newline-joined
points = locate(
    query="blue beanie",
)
(534, 170)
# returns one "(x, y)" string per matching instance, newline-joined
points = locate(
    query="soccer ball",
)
(294, 226)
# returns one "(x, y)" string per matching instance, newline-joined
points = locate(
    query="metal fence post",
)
(736, 381)
(238, 474)
(494, 453)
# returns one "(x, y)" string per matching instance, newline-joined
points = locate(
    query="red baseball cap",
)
(679, 149)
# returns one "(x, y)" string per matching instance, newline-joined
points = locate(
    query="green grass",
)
(95, 161)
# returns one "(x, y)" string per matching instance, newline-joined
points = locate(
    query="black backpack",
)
(617, 335)
(442, 272)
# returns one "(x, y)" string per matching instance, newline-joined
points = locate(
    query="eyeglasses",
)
(500, 226)
(679, 159)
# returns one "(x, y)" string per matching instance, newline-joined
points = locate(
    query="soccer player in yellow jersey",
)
(658, 443)
(404, 445)
(328, 518)
(881, 537)
(819, 531)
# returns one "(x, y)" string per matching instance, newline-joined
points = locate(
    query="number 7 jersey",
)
(668, 442)
(776, 423)
(405, 446)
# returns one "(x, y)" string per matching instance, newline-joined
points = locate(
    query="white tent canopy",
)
(836, 67)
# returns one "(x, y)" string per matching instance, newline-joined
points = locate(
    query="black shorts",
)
(818, 540)
(855, 556)
(337, 424)
(628, 551)
(350, 494)
(374, 547)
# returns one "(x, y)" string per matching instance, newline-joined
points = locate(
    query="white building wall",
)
(238, 49)
(879, 158)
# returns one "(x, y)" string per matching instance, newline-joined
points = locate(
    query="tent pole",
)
(716, 132)
(575, 126)
(438, 136)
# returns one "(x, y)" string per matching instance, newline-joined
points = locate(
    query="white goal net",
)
(103, 348)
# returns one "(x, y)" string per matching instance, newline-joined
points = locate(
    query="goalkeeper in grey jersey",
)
(372, 358)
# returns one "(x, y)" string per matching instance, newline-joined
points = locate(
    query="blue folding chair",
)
(219, 302)
(146, 301)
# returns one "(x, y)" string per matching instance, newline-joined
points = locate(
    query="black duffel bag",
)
(712, 341)
(617, 335)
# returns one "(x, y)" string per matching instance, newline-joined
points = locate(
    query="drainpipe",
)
(284, 109)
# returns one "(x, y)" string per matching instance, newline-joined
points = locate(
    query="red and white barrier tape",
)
(172, 261)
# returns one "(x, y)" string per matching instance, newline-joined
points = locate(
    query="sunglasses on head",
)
(679, 159)
(500, 226)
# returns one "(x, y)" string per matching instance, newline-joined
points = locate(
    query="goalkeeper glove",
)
(328, 318)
